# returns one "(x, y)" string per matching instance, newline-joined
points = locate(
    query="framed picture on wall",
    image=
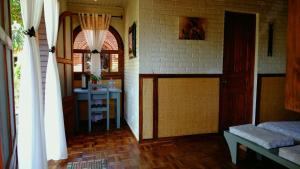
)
(192, 28)
(132, 41)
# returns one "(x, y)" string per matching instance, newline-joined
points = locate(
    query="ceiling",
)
(108, 3)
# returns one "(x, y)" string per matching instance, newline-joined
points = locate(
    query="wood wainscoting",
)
(270, 99)
(175, 105)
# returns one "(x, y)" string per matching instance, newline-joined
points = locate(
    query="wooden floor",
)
(121, 150)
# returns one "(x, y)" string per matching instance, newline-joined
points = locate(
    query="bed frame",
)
(233, 141)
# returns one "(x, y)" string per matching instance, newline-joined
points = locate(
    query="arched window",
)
(111, 54)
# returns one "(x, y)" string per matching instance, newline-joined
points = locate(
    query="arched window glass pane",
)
(110, 42)
(80, 42)
(114, 63)
(77, 62)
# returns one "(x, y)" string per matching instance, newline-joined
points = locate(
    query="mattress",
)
(288, 128)
(262, 137)
(291, 153)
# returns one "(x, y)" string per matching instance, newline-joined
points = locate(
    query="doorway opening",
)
(112, 68)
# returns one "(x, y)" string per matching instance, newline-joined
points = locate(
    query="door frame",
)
(255, 68)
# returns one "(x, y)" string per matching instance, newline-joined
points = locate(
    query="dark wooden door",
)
(238, 69)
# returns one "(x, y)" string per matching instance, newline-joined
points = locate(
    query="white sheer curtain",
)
(95, 27)
(54, 120)
(31, 136)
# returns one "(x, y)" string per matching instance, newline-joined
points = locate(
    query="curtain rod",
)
(117, 16)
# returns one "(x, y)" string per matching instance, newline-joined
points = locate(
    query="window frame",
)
(120, 52)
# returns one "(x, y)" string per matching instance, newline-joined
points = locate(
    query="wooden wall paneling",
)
(68, 38)
(187, 106)
(61, 68)
(292, 90)
(69, 79)
(60, 42)
(155, 107)
(69, 115)
(64, 36)
(270, 101)
(65, 57)
(147, 106)
(65, 66)
(64, 61)
(258, 98)
(141, 108)
(155, 78)
(71, 45)
(69, 55)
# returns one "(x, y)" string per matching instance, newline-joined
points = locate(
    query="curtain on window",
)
(54, 120)
(95, 27)
(31, 136)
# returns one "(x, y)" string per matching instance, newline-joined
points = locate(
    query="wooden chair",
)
(98, 93)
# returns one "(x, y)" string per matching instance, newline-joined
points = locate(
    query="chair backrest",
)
(98, 90)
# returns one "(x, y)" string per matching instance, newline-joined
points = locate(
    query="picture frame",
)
(132, 41)
(192, 28)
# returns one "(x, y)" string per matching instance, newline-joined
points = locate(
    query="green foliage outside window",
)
(18, 40)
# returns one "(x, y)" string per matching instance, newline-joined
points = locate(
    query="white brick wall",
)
(132, 71)
(162, 52)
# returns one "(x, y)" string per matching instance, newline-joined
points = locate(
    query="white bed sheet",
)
(262, 137)
(291, 153)
(287, 128)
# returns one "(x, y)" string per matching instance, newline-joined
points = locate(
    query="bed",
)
(288, 128)
(290, 153)
(275, 146)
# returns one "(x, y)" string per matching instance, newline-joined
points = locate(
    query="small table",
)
(114, 93)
